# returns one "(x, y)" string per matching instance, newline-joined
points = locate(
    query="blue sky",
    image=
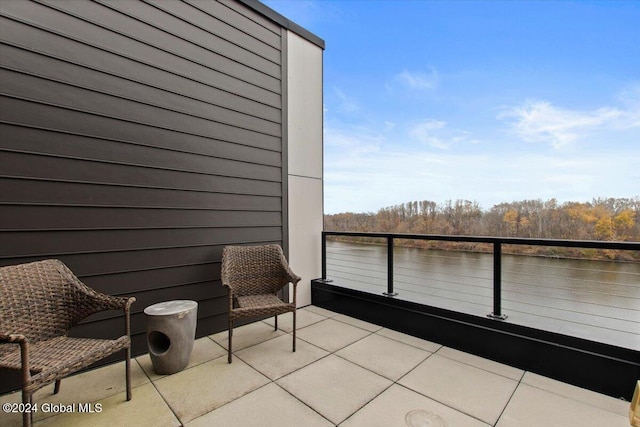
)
(486, 101)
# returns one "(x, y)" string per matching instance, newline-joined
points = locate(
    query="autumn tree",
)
(601, 219)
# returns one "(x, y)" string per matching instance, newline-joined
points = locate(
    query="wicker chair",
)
(39, 303)
(253, 276)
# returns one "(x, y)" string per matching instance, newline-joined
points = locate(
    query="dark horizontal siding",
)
(227, 159)
(29, 54)
(109, 263)
(250, 17)
(275, 18)
(195, 279)
(50, 118)
(181, 21)
(31, 218)
(66, 77)
(54, 243)
(137, 139)
(41, 192)
(16, 164)
(259, 28)
(102, 27)
(26, 87)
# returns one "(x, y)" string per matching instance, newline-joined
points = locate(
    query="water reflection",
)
(597, 300)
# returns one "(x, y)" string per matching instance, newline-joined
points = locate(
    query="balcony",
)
(581, 330)
(345, 372)
(597, 300)
(135, 156)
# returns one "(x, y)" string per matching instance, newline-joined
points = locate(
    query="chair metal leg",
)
(230, 339)
(276, 317)
(27, 417)
(56, 388)
(294, 331)
(127, 363)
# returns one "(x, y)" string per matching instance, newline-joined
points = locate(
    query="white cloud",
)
(419, 80)
(629, 96)
(437, 134)
(351, 143)
(365, 172)
(346, 103)
(425, 132)
(540, 121)
(378, 163)
(432, 124)
(388, 126)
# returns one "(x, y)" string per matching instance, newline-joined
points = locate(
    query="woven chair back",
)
(42, 299)
(251, 270)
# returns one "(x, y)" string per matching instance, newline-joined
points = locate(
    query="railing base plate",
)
(497, 316)
(392, 294)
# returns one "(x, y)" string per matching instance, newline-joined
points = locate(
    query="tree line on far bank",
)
(609, 219)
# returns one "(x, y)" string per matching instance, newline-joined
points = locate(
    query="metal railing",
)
(496, 242)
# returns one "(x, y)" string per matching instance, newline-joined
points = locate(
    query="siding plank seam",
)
(159, 6)
(164, 267)
(146, 145)
(105, 251)
(125, 119)
(159, 47)
(149, 187)
(136, 165)
(109, 73)
(138, 60)
(177, 208)
(275, 35)
(141, 102)
(247, 13)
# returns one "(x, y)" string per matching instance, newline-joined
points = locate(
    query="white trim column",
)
(305, 175)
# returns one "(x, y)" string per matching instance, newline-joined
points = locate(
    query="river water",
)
(596, 300)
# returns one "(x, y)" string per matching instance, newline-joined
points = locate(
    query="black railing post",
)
(497, 282)
(390, 292)
(324, 256)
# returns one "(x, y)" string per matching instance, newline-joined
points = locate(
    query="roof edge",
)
(282, 21)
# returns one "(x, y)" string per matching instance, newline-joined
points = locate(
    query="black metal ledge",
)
(596, 366)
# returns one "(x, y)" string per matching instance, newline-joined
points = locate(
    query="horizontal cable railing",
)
(562, 296)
